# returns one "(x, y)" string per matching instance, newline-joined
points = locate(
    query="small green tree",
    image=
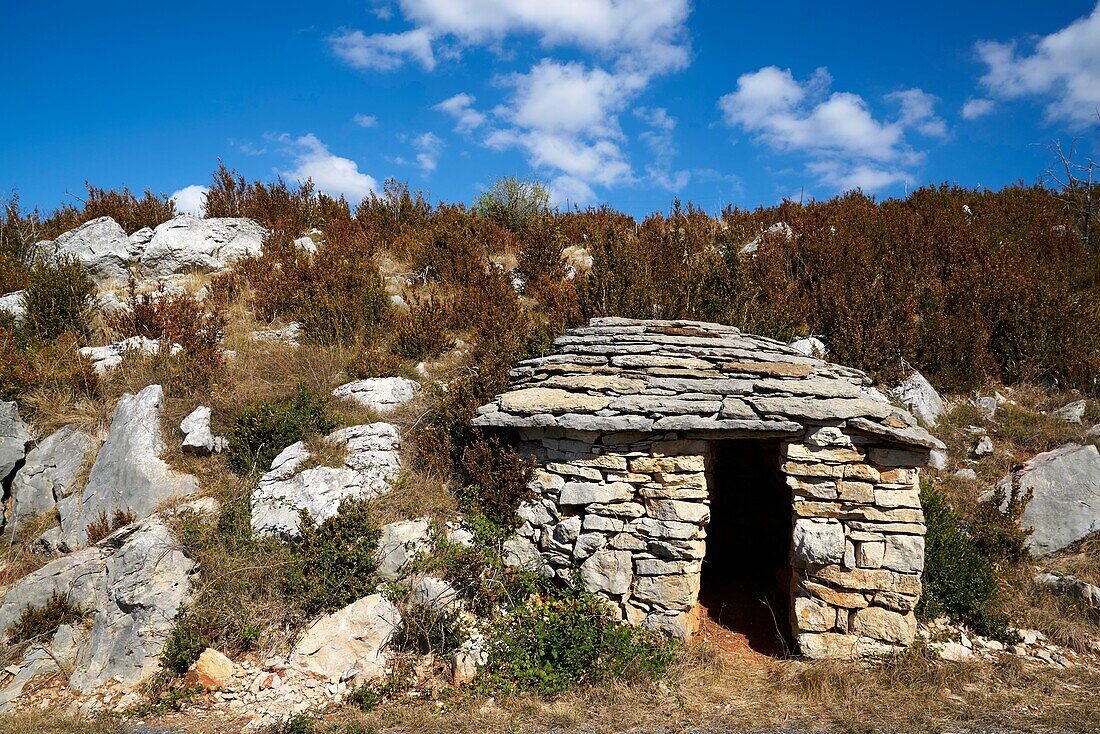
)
(514, 203)
(57, 299)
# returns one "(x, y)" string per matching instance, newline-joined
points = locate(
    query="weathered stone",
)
(351, 643)
(890, 498)
(678, 549)
(668, 464)
(813, 615)
(371, 464)
(818, 543)
(694, 512)
(815, 454)
(1065, 501)
(608, 571)
(100, 245)
(212, 670)
(861, 472)
(982, 447)
(189, 243)
(380, 394)
(647, 404)
(128, 476)
(843, 599)
(904, 553)
(870, 555)
(398, 546)
(669, 591)
(132, 584)
(883, 624)
(629, 510)
(589, 543)
(869, 579)
(827, 646)
(51, 473)
(666, 529)
(13, 304)
(582, 493)
(535, 513)
(856, 492)
(14, 437)
(897, 457)
(595, 383)
(290, 335)
(918, 395)
(566, 531)
(819, 408)
(546, 400)
(771, 369)
(603, 524)
(197, 437)
(1071, 412)
(434, 592)
(659, 567)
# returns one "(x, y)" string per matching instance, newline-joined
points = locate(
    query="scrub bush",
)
(41, 622)
(264, 429)
(57, 300)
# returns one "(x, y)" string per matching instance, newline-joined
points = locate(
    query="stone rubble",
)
(289, 335)
(955, 643)
(198, 438)
(109, 356)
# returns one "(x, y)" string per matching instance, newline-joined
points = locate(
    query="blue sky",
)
(629, 102)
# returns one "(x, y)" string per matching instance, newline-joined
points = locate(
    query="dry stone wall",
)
(631, 512)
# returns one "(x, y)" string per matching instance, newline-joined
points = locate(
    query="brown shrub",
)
(421, 333)
(103, 526)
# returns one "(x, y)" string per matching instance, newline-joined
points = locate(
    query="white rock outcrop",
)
(1065, 502)
(810, 346)
(188, 243)
(129, 474)
(371, 465)
(131, 585)
(50, 473)
(100, 245)
(399, 544)
(917, 394)
(380, 394)
(1071, 412)
(14, 437)
(350, 643)
(198, 438)
(107, 357)
(13, 304)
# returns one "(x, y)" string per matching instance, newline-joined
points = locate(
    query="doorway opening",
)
(744, 590)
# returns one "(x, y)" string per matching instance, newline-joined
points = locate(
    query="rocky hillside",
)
(242, 491)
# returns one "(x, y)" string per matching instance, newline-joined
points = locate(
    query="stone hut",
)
(697, 475)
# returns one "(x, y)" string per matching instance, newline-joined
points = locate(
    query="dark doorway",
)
(745, 585)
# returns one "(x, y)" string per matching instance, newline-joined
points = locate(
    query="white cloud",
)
(429, 145)
(642, 34)
(383, 51)
(1063, 69)
(567, 190)
(363, 120)
(331, 173)
(845, 144)
(659, 140)
(191, 200)
(972, 109)
(460, 107)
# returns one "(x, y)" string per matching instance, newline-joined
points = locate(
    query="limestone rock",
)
(212, 670)
(550, 400)
(434, 592)
(811, 346)
(350, 643)
(128, 474)
(371, 465)
(983, 447)
(56, 655)
(13, 304)
(100, 245)
(818, 542)
(198, 439)
(922, 400)
(380, 394)
(779, 229)
(883, 624)
(188, 243)
(14, 437)
(138, 240)
(132, 585)
(399, 544)
(1065, 503)
(106, 358)
(609, 571)
(1072, 412)
(50, 473)
(289, 335)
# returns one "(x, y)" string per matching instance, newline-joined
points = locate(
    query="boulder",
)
(380, 394)
(917, 394)
(100, 245)
(188, 243)
(138, 240)
(1072, 412)
(1065, 502)
(811, 346)
(983, 447)
(50, 473)
(14, 437)
(128, 475)
(350, 643)
(13, 304)
(399, 544)
(131, 585)
(198, 439)
(371, 464)
(212, 670)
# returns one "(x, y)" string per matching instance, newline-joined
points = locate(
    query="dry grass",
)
(56, 722)
(912, 693)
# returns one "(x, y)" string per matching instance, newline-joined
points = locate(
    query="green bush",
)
(333, 563)
(548, 645)
(183, 647)
(297, 724)
(264, 429)
(497, 477)
(41, 622)
(57, 300)
(959, 582)
(514, 203)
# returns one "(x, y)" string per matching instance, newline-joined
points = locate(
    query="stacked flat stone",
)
(624, 421)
